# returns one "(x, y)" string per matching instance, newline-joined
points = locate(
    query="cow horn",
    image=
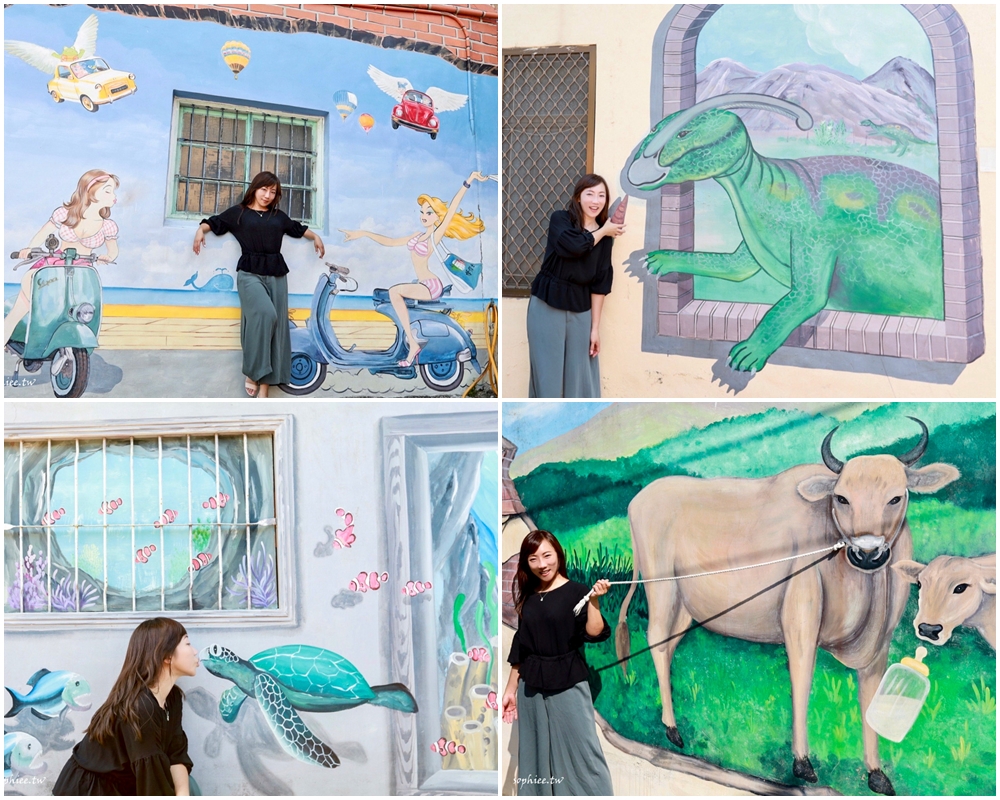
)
(829, 459)
(911, 458)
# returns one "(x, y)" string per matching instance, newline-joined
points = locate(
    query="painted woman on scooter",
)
(438, 220)
(84, 223)
(260, 226)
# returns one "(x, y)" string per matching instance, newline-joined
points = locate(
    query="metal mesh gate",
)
(547, 145)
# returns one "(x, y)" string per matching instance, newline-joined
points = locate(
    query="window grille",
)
(219, 148)
(547, 141)
(183, 524)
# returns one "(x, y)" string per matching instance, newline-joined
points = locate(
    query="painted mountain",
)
(901, 92)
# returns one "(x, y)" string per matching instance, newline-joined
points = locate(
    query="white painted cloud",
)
(867, 36)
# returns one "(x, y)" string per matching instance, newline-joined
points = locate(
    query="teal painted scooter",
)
(62, 324)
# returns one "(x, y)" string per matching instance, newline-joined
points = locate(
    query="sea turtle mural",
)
(298, 677)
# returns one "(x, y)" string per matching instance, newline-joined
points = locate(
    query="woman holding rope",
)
(548, 691)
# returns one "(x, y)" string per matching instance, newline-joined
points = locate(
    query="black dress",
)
(259, 234)
(125, 764)
(574, 267)
(549, 640)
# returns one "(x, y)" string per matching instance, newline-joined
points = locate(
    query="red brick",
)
(383, 19)
(371, 27)
(295, 13)
(400, 12)
(444, 30)
(413, 25)
(432, 17)
(333, 19)
(224, 5)
(490, 58)
(324, 8)
(431, 38)
(456, 43)
(347, 11)
(276, 11)
(483, 27)
(490, 40)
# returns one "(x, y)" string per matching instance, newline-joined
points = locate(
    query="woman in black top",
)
(259, 226)
(134, 744)
(567, 295)
(548, 692)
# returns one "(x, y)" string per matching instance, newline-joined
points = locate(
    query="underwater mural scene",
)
(341, 592)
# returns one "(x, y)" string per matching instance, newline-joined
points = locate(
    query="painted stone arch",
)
(958, 338)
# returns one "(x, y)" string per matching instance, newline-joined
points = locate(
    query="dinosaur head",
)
(868, 123)
(701, 142)
(709, 145)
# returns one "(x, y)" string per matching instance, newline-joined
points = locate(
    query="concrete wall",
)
(686, 368)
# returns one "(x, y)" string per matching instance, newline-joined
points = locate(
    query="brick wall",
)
(464, 35)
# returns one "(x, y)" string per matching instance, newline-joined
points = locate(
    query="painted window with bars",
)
(548, 143)
(219, 147)
(184, 524)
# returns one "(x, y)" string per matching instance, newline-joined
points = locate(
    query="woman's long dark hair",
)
(263, 180)
(576, 210)
(526, 582)
(152, 643)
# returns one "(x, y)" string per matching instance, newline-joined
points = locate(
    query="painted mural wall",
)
(371, 140)
(771, 150)
(323, 596)
(705, 683)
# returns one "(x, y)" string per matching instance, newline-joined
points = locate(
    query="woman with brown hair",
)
(84, 223)
(548, 692)
(259, 226)
(567, 295)
(134, 744)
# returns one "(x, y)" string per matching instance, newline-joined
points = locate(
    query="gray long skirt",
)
(558, 750)
(559, 352)
(267, 345)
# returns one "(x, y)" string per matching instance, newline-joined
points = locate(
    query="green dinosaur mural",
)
(901, 136)
(842, 232)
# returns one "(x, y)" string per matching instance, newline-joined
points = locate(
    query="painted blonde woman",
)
(438, 220)
(84, 223)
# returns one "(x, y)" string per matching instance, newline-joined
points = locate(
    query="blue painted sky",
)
(373, 179)
(854, 39)
(529, 425)
(485, 508)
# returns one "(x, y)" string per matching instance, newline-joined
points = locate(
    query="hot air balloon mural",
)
(366, 121)
(237, 56)
(346, 102)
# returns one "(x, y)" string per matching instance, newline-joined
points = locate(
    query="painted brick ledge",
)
(466, 36)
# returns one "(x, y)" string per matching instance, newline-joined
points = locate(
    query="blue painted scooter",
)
(64, 319)
(445, 351)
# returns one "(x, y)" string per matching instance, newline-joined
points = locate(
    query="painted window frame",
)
(591, 50)
(670, 309)
(315, 117)
(405, 441)
(279, 427)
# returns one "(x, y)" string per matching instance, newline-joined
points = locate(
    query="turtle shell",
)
(315, 672)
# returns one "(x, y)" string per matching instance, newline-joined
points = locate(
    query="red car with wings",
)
(415, 110)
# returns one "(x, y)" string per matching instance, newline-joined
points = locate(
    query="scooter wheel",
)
(443, 376)
(71, 380)
(307, 375)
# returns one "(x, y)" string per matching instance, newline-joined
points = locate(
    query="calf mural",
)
(805, 516)
(849, 604)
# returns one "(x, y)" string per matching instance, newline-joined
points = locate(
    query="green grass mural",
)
(732, 697)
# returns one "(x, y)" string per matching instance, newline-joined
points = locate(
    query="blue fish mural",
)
(50, 693)
(222, 281)
(22, 755)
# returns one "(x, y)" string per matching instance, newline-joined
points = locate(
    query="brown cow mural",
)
(719, 676)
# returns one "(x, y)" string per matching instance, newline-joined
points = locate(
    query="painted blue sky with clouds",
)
(529, 425)
(854, 39)
(373, 179)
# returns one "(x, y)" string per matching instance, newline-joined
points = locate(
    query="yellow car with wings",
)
(90, 82)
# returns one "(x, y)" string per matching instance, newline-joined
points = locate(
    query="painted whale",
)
(221, 281)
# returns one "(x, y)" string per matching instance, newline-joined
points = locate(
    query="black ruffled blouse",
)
(574, 267)
(259, 235)
(548, 645)
(125, 764)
